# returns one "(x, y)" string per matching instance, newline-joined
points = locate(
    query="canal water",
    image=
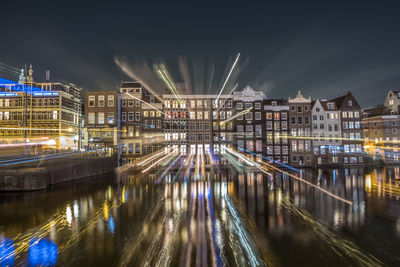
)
(223, 217)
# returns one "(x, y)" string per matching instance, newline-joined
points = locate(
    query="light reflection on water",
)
(230, 218)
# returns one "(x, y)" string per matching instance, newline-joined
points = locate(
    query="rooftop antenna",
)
(47, 75)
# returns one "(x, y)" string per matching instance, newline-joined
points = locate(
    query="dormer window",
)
(350, 103)
(330, 106)
(273, 103)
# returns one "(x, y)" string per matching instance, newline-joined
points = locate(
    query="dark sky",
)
(325, 49)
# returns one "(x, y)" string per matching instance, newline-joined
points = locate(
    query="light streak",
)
(229, 74)
(151, 157)
(164, 75)
(234, 88)
(302, 180)
(128, 71)
(237, 115)
(155, 163)
(36, 129)
(153, 107)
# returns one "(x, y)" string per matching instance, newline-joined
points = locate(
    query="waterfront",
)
(222, 218)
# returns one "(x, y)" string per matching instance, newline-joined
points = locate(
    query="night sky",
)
(323, 49)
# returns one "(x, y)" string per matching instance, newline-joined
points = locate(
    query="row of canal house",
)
(299, 131)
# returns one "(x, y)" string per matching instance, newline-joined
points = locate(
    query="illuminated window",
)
(110, 117)
(100, 118)
(110, 101)
(145, 114)
(91, 118)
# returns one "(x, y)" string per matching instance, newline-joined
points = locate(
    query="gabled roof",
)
(377, 111)
(339, 101)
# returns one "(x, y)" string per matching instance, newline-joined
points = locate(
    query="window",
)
(269, 150)
(91, 118)
(277, 150)
(92, 101)
(276, 116)
(350, 103)
(101, 101)
(284, 125)
(258, 145)
(269, 115)
(306, 120)
(130, 116)
(293, 120)
(110, 118)
(123, 117)
(192, 115)
(269, 125)
(249, 116)
(305, 108)
(247, 105)
(294, 145)
(356, 114)
(206, 115)
(199, 103)
(269, 137)
(277, 125)
(137, 116)
(123, 103)
(206, 126)
(257, 105)
(110, 101)
(100, 118)
(299, 109)
(258, 131)
(55, 114)
(293, 107)
(344, 114)
(314, 117)
(137, 103)
(257, 115)
(299, 120)
(283, 116)
(239, 105)
(131, 103)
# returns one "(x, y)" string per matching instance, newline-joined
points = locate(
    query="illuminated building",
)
(381, 127)
(300, 126)
(131, 120)
(350, 117)
(152, 128)
(40, 112)
(193, 124)
(275, 119)
(101, 119)
(249, 125)
(326, 132)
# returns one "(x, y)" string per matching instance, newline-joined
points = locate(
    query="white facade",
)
(326, 126)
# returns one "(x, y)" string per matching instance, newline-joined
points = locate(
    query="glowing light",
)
(68, 214)
(42, 253)
(7, 252)
(227, 77)
(237, 115)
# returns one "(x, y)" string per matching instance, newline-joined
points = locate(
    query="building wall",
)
(300, 130)
(326, 131)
